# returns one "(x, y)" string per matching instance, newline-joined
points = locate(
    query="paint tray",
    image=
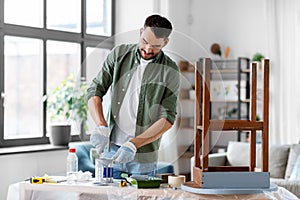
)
(144, 181)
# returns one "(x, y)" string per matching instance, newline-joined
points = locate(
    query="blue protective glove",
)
(125, 153)
(100, 137)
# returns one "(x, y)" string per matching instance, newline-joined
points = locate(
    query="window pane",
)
(27, 13)
(98, 17)
(64, 15)
(23, 107)
(63, 59)
(94, 62)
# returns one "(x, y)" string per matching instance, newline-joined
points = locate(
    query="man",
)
(144, 86)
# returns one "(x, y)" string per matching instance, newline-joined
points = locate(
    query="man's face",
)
(149, 45)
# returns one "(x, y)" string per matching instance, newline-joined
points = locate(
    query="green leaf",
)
(67, 101)
(257, 57)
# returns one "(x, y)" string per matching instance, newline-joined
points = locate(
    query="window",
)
(30, 12)
(59, 19)
(63, 59)
(40, 46)
(98, 22)
(23, 87)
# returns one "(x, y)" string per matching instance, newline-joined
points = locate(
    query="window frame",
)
(85, 40)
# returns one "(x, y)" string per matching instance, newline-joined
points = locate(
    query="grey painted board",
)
(235, 180)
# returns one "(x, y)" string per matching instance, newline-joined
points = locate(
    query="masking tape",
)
(176, 181)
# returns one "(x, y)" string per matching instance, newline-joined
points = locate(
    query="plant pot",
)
(60, 135)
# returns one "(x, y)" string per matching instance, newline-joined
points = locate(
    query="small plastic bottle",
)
(72, 165)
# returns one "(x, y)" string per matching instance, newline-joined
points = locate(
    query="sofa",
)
(282, 159)
(86, 163)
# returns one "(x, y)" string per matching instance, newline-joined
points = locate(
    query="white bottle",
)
(72, 165)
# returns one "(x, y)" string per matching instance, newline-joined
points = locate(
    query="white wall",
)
(237, 24)
(18, 167)
(130, 16)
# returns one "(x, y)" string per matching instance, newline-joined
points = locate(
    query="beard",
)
(145, 55)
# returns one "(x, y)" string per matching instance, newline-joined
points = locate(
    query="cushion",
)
(296, 171)
(278, 156)
(238, 153)
(294, 152)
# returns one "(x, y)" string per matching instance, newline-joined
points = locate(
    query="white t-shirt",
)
(126, 120)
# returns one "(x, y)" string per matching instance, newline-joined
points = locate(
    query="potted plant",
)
(66, 104)
(258, 57)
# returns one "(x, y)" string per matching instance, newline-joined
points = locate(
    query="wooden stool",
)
(230, 177)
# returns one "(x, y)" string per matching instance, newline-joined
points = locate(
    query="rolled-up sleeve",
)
(101, 83)
(169, 102)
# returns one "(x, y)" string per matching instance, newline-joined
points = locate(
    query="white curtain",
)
(283, 31)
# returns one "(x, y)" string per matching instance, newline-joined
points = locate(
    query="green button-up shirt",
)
(158, 94)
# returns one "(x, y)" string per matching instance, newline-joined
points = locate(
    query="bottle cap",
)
(72, 150)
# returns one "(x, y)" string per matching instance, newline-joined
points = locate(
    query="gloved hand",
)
(105, 161)
(125, 153)
(99, 138)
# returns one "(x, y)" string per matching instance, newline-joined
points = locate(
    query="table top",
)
(88, 190)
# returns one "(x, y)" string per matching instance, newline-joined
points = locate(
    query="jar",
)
(104, 170)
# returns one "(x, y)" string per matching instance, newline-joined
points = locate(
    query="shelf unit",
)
(237, 72)
(230, 97)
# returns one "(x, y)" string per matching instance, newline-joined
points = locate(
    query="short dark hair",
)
(160, 26)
